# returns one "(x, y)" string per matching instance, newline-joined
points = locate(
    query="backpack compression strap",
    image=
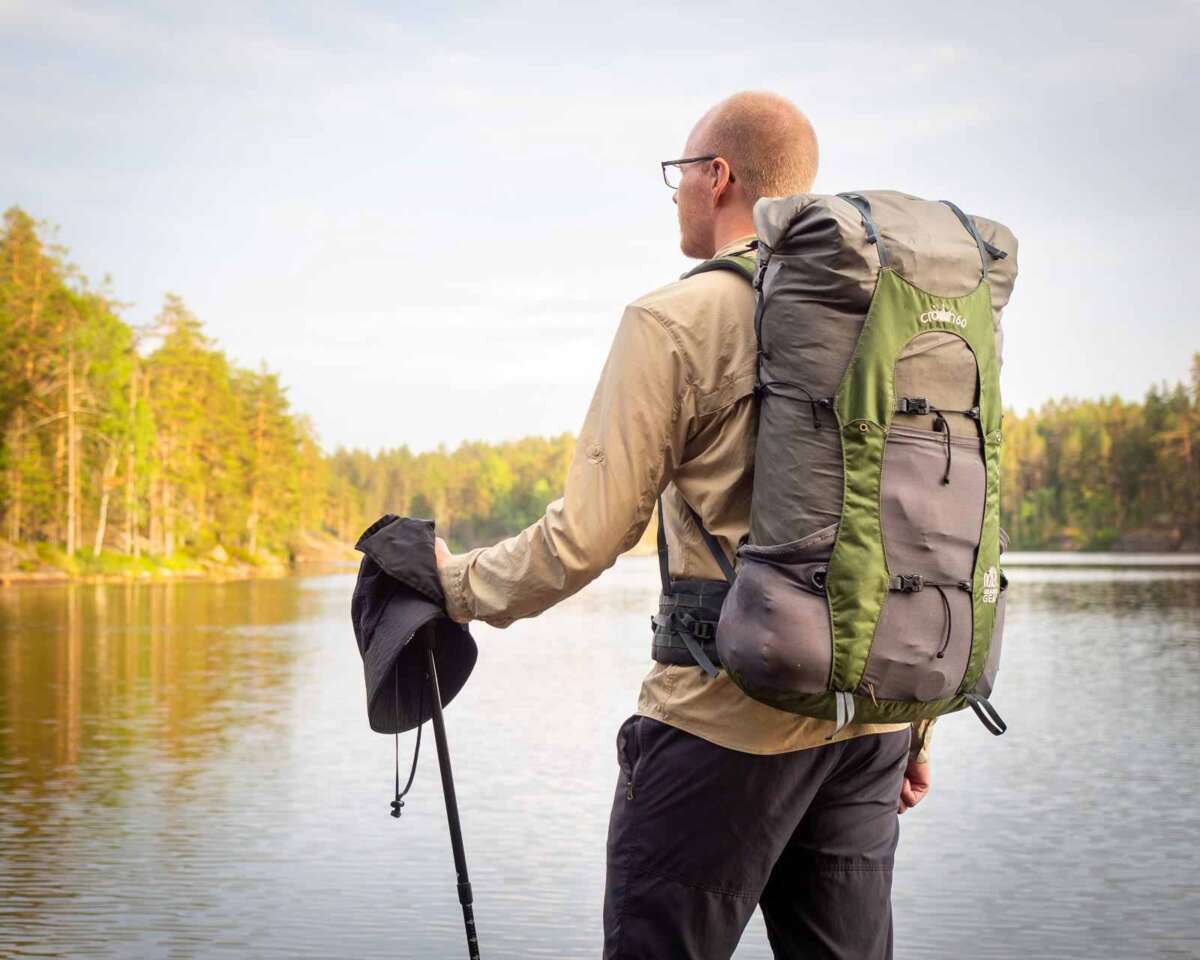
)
(743, 264)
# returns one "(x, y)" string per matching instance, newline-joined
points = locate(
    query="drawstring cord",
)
(942, 425)
(814, 403)
(948, 620)
(398, 802)
(915, 583)
(922, 406)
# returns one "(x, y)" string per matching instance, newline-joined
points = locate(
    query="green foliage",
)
(478, 494)
(136, 441)
(128, 451)
(1101, 473)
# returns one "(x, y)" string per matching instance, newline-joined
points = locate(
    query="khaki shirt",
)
(673, 412)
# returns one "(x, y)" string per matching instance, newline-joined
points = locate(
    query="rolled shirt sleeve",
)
(628, 449)
(922, 731)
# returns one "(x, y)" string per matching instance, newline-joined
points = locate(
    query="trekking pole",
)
(456, 841)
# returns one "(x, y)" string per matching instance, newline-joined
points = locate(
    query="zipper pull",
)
(628, 788)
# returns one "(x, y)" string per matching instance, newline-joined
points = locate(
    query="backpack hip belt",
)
(685, 627)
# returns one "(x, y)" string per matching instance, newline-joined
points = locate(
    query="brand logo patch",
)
(942, 315)
(991, 585)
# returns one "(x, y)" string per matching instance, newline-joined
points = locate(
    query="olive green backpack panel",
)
(858, 576)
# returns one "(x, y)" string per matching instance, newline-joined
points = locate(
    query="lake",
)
(186, 770)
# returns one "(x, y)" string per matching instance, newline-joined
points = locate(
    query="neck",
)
(732, 226)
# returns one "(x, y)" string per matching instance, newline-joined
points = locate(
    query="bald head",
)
(769, 144)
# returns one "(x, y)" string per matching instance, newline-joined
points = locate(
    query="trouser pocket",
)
(628, 752)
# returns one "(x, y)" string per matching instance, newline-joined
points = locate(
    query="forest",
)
(136, 448)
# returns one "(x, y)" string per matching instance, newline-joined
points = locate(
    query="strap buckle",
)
(909, 583)
(684, 622)
(914, 405)
(700, 629)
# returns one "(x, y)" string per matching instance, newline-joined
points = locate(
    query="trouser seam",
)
(888, 868)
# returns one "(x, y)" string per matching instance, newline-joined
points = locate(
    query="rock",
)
(311, 547)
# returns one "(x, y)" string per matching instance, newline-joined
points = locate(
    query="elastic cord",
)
(948, 619)
(940, 423)
(771, 386)
(398, 802)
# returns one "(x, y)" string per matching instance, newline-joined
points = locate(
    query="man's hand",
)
(917, 778)
(441, 553)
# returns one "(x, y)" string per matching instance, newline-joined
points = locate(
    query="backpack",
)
(869, 584)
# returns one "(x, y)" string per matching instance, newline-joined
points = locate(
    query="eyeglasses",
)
(672, 170)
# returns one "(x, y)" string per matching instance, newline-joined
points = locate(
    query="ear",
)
(719, 178)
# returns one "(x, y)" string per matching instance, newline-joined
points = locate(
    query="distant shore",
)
(231, 572)
(41, 564)
(1096, 559)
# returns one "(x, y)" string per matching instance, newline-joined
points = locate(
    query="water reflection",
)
(108, 690)
(151, 662)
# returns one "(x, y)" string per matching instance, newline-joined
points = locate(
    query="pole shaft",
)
(465, 897)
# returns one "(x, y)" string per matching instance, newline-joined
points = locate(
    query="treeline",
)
(479, 493)
(124, 445)
(1097, 474)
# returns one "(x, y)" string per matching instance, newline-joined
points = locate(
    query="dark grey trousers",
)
(699, 834)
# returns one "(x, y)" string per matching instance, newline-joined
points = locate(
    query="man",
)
(723, 802)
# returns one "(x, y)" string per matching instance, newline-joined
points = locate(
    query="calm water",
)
(186, 771)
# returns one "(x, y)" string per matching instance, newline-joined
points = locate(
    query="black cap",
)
(398, 607)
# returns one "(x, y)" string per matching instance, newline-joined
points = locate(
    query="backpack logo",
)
(991, 585)
(942, 315)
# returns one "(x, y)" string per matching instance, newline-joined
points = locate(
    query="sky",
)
(427, 217)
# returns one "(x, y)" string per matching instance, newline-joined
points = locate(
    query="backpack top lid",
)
(923, 240)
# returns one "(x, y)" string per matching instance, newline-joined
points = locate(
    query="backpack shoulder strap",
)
(741, 263)
(727, 568)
